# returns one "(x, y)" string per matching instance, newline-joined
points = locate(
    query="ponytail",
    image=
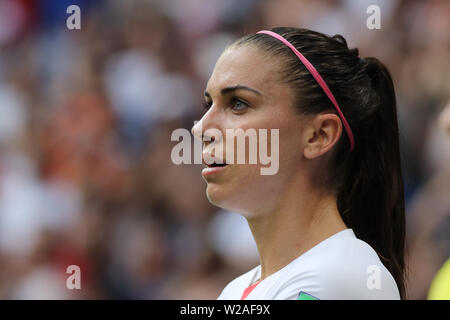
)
(370, 198)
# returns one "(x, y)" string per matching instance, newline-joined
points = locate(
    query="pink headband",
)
(319, 80)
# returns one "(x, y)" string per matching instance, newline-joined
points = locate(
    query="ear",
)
(322, 133)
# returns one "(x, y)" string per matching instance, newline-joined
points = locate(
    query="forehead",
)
(245, 65)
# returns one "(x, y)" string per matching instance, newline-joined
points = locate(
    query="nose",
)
(200, 128)
(197, 130)
(200, 133)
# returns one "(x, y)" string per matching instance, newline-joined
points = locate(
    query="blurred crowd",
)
(85, 121)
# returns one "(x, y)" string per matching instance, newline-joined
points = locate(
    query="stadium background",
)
(85, 120)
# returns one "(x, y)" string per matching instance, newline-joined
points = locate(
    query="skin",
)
(444, 118)
(289, 212)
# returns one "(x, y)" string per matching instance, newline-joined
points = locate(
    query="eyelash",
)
(207, 105)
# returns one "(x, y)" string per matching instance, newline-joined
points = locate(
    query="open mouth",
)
(213, 168)
(212, 165)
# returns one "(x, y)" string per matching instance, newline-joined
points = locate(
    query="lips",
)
(213, 165)
(212, 168)
(212, 161)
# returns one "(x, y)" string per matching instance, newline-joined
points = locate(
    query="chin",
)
(226, 199)
(244, 192)
(216, 195)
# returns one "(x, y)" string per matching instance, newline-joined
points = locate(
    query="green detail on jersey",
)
(305, 296)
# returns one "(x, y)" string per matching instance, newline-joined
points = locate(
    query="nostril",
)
(206, 138)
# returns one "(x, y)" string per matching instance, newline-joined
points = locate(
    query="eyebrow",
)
(234, 88)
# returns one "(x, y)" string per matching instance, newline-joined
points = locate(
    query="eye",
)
(238, 105)
(207, 105)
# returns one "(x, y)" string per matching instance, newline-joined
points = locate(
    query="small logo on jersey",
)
(306, 296)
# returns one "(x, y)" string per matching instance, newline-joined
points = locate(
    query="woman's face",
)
(265, 104)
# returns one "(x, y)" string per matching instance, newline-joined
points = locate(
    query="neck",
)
(303, 219)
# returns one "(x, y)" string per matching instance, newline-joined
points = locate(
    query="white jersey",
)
(339, 267)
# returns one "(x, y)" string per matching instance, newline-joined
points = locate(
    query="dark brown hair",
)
(367, 181)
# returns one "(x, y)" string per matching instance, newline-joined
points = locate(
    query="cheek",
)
(291, 151)
(243, 188)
